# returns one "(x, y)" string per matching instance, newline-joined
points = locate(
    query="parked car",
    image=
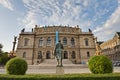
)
(116, 63)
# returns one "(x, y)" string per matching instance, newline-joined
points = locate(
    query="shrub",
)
(100, 65)
(16, 66)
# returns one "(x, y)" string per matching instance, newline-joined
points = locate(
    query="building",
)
(38, 45)
(111, 48)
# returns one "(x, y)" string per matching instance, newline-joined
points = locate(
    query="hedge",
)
(62, 77)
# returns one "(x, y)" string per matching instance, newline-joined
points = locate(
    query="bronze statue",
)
(58, 53)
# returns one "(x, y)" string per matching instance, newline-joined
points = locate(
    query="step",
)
(74, 66)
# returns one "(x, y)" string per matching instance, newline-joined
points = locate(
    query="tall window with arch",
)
(54, 40)
(86, 42)
(40, 55)
(41, 41)
(48, 55)
(64, 41)
(48, 41)
(65, 55)
(26, 41)
(72, 42)
(73, 55)
(88, 54)
(24, 55)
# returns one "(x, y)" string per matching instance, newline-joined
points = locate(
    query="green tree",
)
(4, 58)
(1, 46)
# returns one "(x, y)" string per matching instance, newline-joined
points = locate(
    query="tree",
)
(1, 46)
(4, 58)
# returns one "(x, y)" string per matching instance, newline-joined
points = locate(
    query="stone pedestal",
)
(59, 70)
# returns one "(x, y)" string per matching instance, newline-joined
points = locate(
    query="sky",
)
(101, 16)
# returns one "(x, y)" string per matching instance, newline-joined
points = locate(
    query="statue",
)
(98, 48)
(90, 30)
(23, 30)
(58, 53)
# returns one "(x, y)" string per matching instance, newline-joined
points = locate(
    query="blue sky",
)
(102, 16)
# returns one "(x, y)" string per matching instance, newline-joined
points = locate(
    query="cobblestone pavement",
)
(53, 71)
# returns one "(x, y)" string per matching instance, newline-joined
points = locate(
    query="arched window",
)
(39, 55)
(73, 55)
(26, 41)
(48, 55)
(41, 41)
(64, 41)
(86, 42)
(88, 54)
(72, 42)
(65, 55)
(48, 41)
(24, 55)
(55, 41)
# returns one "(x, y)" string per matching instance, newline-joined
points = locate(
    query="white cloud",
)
(55, 12)
(85, 13)
(29, 20)
(7, 4)
(108, 29)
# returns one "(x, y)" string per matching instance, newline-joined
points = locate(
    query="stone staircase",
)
(54, 62)
(51, 64)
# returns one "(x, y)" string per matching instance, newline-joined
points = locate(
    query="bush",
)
(100, 65)
(16, 66)
(115, 76)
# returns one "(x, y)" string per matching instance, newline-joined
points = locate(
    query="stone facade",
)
(111, 48)
(38, 45)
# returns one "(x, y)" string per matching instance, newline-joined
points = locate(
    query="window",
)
(48, 41)
(55, 41)
(64, 41)
(48, 55)
(72, 42)
(41, 41)
(86, 42)
(26, 41)
(24, 54)
(88, 54)
(73, 55)
(65, 55)
(39, 55)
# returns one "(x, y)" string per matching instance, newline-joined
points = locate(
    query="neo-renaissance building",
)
(111, 48)
(38, 45)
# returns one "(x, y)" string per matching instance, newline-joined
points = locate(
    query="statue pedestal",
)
(59, 70)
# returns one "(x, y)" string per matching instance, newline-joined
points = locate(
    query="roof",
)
(100, 42)
(118, 33)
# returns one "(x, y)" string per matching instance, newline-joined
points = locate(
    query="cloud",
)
(29, 20)
(7, 4)
(86, 13)
(108, 29)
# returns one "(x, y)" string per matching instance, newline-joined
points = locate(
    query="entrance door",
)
(65, 55)
(48, 55)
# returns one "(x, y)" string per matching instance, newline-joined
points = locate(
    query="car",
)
(116, 63)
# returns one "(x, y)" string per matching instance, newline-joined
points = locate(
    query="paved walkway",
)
(53, 71)
(49, 67)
